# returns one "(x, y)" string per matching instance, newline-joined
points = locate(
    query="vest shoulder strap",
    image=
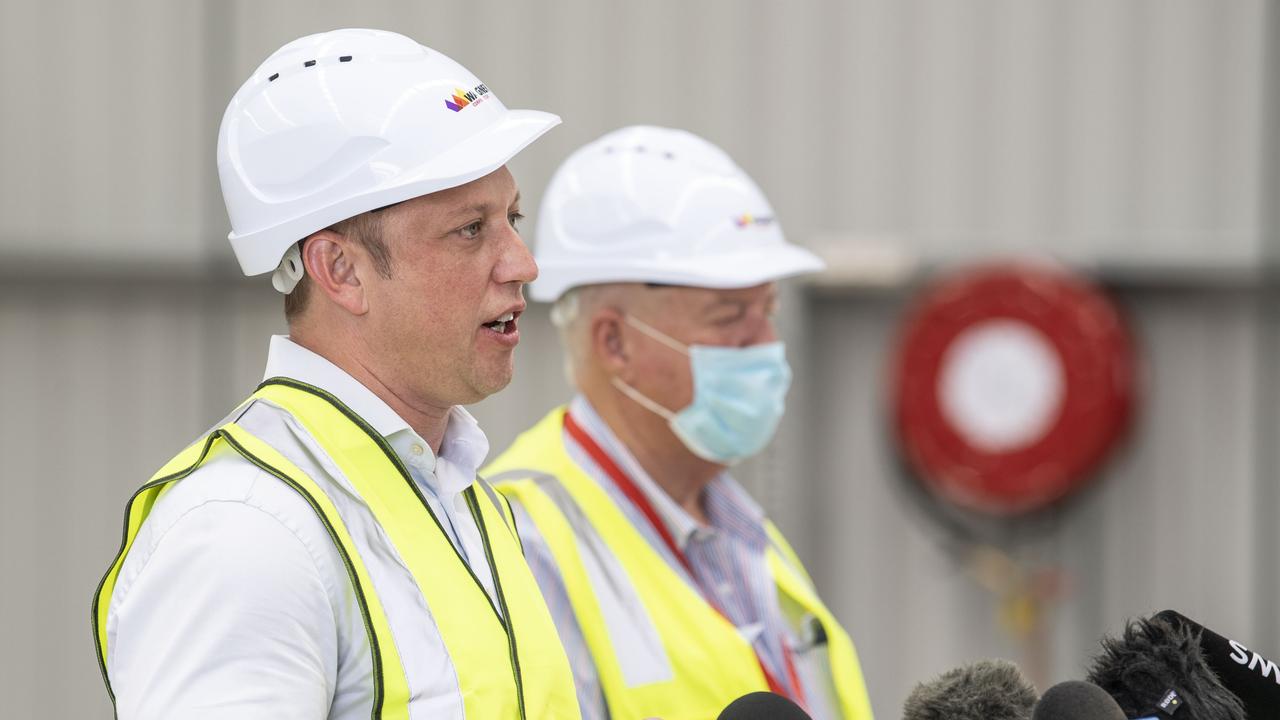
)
(391, 691)
(500, 502)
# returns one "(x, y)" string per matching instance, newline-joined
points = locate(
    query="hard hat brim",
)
(480, 154)
(740, 269)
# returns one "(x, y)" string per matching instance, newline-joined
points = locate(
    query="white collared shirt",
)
(234, 603)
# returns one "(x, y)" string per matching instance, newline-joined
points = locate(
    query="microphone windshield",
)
(1077, 700)
(1251, 677)
(1156, 668)
(763, 706)
(985, 690)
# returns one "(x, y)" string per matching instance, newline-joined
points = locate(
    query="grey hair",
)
(571, 315)
(565, 313)
(565, 309)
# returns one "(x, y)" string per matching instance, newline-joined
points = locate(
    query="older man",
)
(326, 551)
(671, 590)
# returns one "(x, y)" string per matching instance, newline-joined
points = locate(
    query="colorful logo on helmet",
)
(747, 220)
(462, 98)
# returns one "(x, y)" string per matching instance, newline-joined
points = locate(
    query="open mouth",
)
(504, 325)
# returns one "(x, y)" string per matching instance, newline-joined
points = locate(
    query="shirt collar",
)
(289, 359)
(464, 444)
(726, 500)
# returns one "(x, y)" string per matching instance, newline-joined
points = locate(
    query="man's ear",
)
(608, 341)
(330, 259)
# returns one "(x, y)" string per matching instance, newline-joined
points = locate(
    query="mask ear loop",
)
(657, 334)
(635, 394)
(642, 400)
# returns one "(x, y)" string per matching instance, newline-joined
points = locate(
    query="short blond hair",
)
(366, 229)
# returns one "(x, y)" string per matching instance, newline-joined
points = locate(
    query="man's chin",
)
(492, 383)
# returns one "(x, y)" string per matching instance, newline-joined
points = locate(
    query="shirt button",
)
(416, 449)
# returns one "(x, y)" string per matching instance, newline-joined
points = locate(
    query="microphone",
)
(1077, 700)
(1251, 677)
(1157, 668)
(985, 690)
(762, 706)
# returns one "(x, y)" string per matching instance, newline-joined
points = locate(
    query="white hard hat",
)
(339, 123)
(650, 204)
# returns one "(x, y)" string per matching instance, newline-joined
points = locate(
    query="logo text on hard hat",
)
(746, 220)
(463, 98)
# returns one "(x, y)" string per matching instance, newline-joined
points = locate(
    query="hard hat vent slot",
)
(639, 149)
(310, 63)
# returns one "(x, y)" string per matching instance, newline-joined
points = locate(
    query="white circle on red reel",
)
(1001, 385)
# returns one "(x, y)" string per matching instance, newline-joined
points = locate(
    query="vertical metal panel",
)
(1098, 100)
(1267, 503)
(105, 154)
(1093, 130)
(1177, 509)
(1097, 130)
(75, 361)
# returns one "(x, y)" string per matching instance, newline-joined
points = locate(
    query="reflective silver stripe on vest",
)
(494, 498)
(433, 683)
(640, 654)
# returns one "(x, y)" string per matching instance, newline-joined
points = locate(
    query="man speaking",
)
(673, 594)
(326, 551)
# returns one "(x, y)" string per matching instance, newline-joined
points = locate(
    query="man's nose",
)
(765, 332)
(517, 263)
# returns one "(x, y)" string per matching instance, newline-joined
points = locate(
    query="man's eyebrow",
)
(477, 208)
(472, 209)
(739, 307)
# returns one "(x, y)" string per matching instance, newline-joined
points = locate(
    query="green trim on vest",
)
(479, 641)
(711, 663)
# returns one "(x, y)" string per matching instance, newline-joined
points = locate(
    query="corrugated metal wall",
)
(1124, 135)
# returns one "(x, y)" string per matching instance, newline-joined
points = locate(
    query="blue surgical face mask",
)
(739, 395)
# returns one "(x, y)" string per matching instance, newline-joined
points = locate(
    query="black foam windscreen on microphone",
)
(1076, 700)
(762, 706)
(1247, 674)
(985, 690)
(1157, 668)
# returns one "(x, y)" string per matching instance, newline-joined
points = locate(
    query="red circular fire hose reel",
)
(1011, 385)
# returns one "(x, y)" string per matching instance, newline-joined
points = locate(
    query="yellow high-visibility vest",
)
(661, 650)
(507, 655)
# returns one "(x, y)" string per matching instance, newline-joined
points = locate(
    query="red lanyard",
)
(637, 498)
